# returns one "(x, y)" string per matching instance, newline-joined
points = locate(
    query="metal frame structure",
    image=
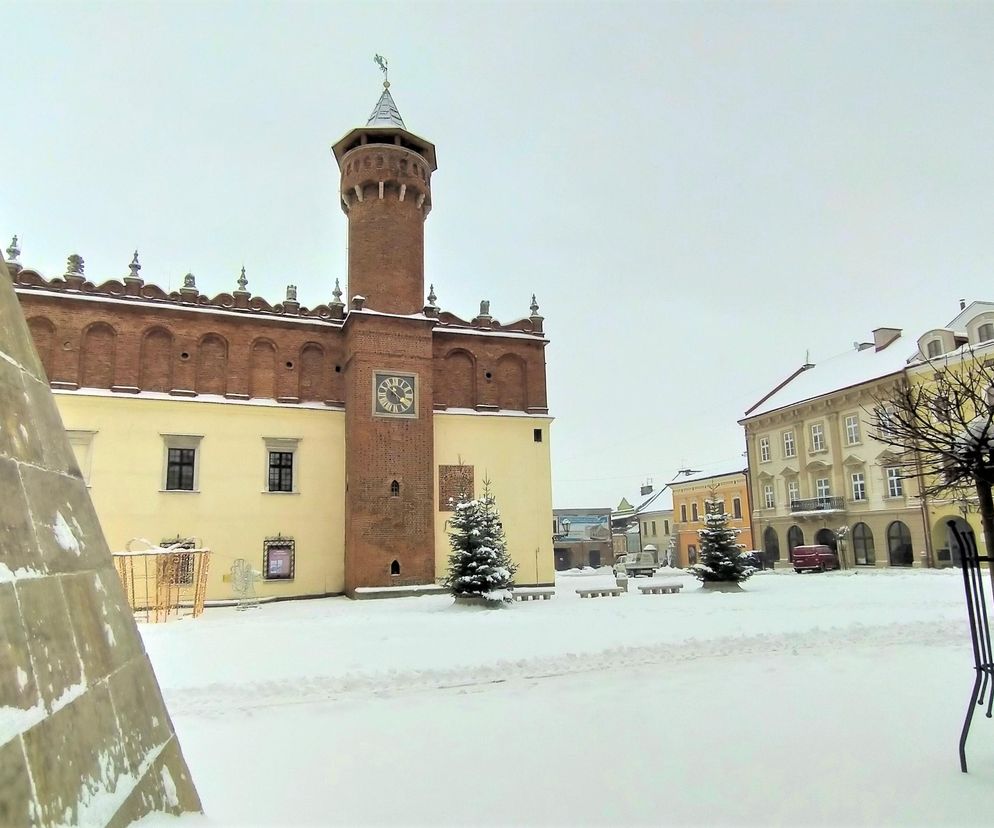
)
(980, 628)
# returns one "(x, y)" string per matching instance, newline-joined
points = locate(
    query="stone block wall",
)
(84, 735)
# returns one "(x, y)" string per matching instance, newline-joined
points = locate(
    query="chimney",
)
(962, 304)
(882, 337)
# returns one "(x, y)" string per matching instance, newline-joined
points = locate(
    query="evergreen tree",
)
(721, 558)
(479, 564)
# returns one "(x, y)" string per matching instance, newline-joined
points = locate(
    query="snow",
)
(64, 536)
(21, 573)
(845, 370)
(370, 712)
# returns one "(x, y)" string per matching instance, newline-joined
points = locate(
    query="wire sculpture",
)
(243, 579)
(159, 581)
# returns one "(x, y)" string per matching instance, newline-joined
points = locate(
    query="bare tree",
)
(941, 430)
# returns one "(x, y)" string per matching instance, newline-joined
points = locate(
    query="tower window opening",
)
(395, 489)
(395, 568)
(537, 435)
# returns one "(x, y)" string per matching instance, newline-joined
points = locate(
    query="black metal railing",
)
(818, 504)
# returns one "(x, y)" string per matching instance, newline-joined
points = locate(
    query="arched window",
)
(395, 568)
(395, 491)
(771, 545)
(985, 332)
(826, 537)
(934, 348)
(862, 545)
(899, 544)
(795, 537)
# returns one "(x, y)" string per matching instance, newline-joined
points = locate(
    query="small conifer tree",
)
(479, 564)
(721, 558)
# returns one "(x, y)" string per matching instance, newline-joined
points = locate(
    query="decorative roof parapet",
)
(13, 251)
(337, 306)
(74, 272)
(290, 304)
(537, 319)
(242, 294)
(133, 281)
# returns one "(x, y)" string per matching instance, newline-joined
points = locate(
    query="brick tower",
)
(389, 446)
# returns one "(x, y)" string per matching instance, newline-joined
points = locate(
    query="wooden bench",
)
(659, 589)
(601, 593)
(533, 594)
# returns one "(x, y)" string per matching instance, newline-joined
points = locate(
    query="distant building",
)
(655, 520)
(690, 494)
(582, 538)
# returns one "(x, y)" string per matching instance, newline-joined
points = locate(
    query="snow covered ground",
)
(830, 699)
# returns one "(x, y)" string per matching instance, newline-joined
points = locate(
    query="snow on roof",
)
(705, 475)
(660, 500)
(852, 367)
(958, 323)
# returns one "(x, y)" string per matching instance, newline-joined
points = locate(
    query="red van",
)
(814, 559)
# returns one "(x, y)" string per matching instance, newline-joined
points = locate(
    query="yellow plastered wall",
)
(231, 513)
(503, 449)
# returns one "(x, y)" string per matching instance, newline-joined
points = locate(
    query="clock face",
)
(394, 394)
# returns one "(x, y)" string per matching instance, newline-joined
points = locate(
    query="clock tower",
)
(389, 441)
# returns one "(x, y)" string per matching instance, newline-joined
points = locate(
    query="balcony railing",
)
(818, 504)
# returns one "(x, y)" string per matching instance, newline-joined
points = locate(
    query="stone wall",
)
(84, 735)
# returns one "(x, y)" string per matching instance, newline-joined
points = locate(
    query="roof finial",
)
(135, 266)
(337, 292)
(381, 61)
(13, 251)
(534, 306)
(431, 296)
(242, 280)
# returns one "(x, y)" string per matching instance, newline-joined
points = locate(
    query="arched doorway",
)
(947, 551)
(899, 544)
(771, 546)
(862, 545)
(795, 537)
(826, 537)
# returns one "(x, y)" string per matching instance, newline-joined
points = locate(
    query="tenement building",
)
(323, 444)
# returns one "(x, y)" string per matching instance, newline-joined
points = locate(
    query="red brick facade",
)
(130, 337)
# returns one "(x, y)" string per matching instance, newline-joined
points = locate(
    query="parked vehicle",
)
(814, 559)
(636, 563)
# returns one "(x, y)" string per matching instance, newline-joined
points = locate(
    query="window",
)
(277, 559)
(82, 448)
(862, 545)
(789, 450)
(395, 489)
(899, 544)
(666, 527)
(537, 435)
(281, 465)
(817, 437)
(793, 491)
(895, 486)
(771, 545)
(281, 471)
(989, 397)
(858, 486)
(654, 528)
(395, 567)
(852, 429)
(823, 488)
(683, 512)
(693, 512)
(736, 507)
(768, 495)
(182, 462)
(645, 527)
(795, 538)
(985, 332)
(934, 348)
(940, 407)
(691, 554)
(764, 449)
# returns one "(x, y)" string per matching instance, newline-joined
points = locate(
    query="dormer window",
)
(985, 332)
(934, 348)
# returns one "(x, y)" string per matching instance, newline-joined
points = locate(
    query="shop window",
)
(278, 558)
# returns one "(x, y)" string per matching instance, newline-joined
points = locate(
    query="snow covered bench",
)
(533, 594)
(659, 589)
(601, 593)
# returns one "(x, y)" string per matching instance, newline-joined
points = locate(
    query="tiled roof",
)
(385, 113)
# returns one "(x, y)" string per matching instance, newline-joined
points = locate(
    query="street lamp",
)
(566, 524)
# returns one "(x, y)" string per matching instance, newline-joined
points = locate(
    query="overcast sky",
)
(698, 193)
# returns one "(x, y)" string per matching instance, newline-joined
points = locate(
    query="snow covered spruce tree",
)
(479, 565)
(721, 557)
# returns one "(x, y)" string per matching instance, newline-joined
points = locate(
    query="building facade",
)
(690, 496)
(582, 538)
(817, 474)
(339, 433)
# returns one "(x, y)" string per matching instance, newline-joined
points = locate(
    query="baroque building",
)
(691, 494)
(322, 444)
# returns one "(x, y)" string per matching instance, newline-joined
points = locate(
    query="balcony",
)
(818, 504)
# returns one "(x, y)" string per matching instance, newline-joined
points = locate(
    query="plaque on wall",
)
(454, 483)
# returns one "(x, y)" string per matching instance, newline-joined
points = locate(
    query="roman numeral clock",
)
(395, 394)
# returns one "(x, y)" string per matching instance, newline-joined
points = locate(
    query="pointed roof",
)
(385, 113)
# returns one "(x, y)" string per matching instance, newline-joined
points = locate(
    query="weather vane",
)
(381, 61)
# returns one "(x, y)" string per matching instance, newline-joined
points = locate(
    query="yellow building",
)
(691, 493)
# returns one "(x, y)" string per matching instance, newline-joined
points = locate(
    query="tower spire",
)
(385, 113)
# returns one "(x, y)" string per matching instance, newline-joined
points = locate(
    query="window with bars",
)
(281, 471)
(852, 429)
(181, 467)
(895, 485)
(789, 448)
(764, 449)
(858, 486)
